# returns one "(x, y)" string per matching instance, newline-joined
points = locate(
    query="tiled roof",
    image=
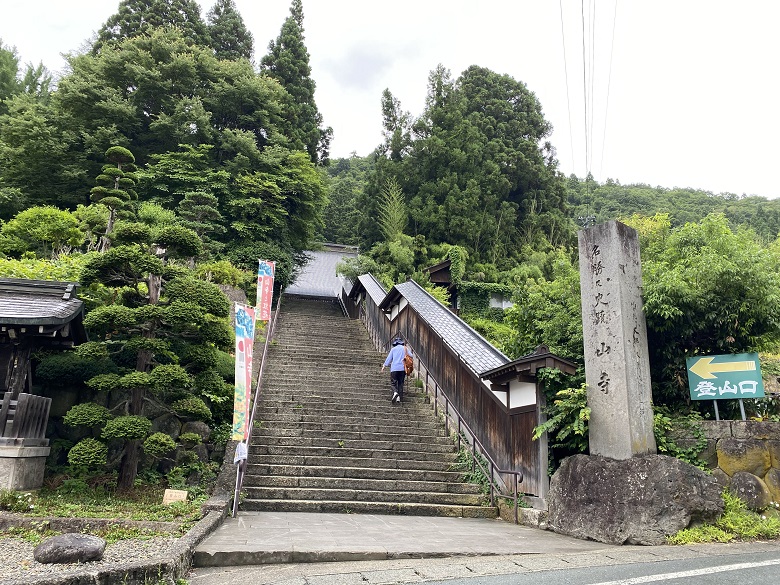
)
(474, 349)
(375, 290)
(318, 278)
(38, 302)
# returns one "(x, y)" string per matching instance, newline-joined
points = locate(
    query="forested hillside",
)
(162, 163)
(172, 155)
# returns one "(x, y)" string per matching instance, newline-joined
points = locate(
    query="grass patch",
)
(141, 503)
(736, 523)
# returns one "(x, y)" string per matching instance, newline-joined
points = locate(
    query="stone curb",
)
(151, 571)
(57, 524)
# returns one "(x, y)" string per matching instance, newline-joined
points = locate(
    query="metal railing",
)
(490, 474)
(450, 409)
(241, 466)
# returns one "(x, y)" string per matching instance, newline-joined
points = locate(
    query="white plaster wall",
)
(521, 393)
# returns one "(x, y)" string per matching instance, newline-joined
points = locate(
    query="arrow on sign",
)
(704, 368)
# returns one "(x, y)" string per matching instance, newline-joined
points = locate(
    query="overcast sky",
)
(690, 99)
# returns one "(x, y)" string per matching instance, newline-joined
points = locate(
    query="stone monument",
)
(623, 492)
(617, 367)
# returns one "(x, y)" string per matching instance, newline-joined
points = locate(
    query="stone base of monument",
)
(21, 468)
(640, 500)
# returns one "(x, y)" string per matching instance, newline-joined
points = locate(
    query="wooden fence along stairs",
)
(326, 437)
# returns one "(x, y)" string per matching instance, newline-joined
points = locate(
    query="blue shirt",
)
(395, 359)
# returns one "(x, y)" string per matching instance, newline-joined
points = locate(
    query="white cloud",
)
(692, 91)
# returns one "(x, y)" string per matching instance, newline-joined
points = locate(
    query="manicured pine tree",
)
(114, 188)
(163, 330)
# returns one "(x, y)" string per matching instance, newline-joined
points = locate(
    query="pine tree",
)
(287, 61)
(230, 38)
(114, 188)
(137, 17)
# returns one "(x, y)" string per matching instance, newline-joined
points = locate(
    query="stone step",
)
(378, 406)
(280, 395)
(422, 452)
(356, 507)
(348, 484)
(340, 429)
(314, 471)
(434, 445)
(362, 495)
(390, 434)
(332, 388)
(327, 438)
(448, 463)
(384, 434)
(334, 423)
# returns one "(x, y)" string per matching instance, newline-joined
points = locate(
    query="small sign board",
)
(721, 377)
(171, 496)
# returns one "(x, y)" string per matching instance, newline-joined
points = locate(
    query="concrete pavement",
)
(293, 537)
(384, 550)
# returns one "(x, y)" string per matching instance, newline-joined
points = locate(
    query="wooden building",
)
(34, 315)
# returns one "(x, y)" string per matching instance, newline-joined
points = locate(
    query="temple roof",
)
(41, 306)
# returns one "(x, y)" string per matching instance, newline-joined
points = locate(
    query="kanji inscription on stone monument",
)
(617, 369)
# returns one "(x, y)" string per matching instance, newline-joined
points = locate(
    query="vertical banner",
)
(245, 336)
(265, 289)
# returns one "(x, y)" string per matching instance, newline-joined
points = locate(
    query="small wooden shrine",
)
(34, 315)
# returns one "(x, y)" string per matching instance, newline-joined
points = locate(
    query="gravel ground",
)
(17, 563)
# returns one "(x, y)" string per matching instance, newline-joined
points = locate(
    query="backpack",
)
(408, 364)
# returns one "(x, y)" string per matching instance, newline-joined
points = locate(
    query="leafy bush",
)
(159, 444)
(664, 423)
(87, 414)
(221, 434)
(499, 334)
(192, 407)
(69, 369)
(127, 428)
(222, 272)
(190, 439)
(737, 522)
(88, 453)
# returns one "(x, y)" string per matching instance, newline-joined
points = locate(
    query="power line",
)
(609, 82)
(566, 74)
(585, 83)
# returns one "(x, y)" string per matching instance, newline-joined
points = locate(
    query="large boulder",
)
(640, 500)
(70, 548)
(751, 490)
(750, 455)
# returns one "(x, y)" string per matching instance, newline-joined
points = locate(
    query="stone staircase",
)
(327, 439)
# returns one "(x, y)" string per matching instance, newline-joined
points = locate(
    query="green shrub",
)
(88, 453)
(192, 407)
(736, 523)
(190, 439)
(222, 272)
(221, 434)
(127, 428)
(159, 444)
(87, 414)
(71, 369)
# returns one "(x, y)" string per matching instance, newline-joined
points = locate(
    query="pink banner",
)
(265, 289)
(245, 337)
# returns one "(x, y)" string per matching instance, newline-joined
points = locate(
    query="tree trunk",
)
(128, 470)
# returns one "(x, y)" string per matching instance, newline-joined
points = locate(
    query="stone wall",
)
(744, 456)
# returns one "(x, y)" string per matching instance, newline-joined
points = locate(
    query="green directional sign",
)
(720, 377)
